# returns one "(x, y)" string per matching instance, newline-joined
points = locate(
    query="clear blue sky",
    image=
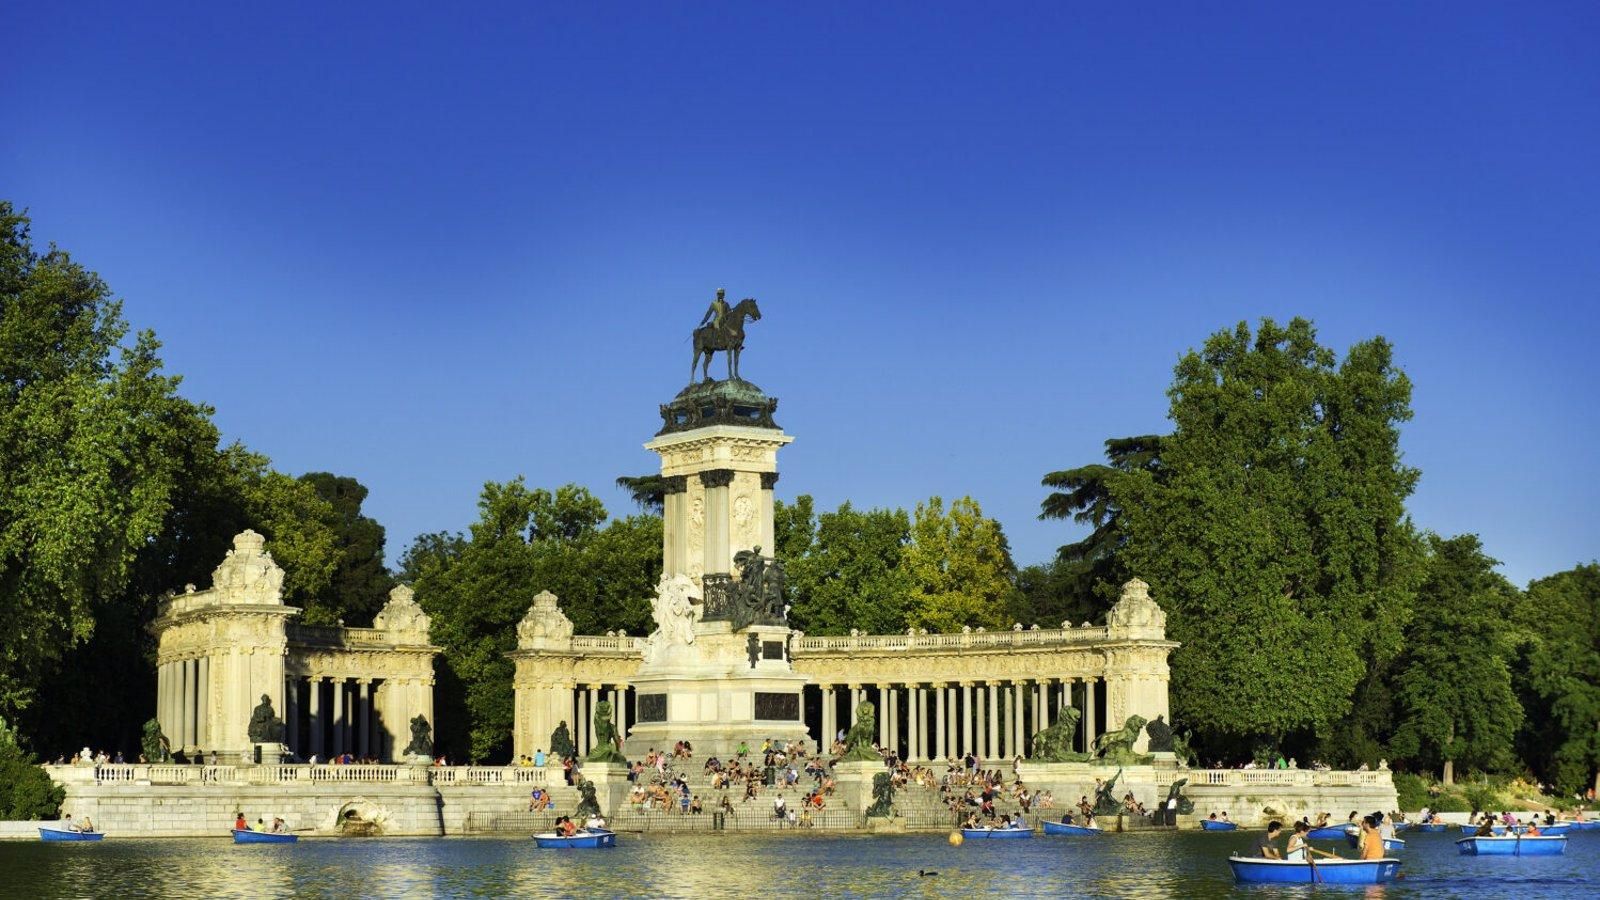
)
(430, 245)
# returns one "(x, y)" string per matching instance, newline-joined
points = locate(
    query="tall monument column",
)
(717, 668)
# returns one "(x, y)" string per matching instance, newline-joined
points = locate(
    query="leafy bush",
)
(1451, 801)
(1411, 792)
(26, 792)
(1482, 798)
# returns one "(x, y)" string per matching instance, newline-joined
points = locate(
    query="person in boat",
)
(1322, 819)
(1485, 828)
(1371, 843)
(278, 826)
(1385, 826)
(86, 825)
(239, 824)
(1088, 820)
(1224, 815)
(1266, 848)
(569, 827)
(1299, 846)
(1533, 828)
(261, 824)
(595, 822)
(1354, 820)
(1212, 817)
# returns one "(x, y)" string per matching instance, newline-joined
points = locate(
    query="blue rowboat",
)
(1582, 826)
(1249, 870)
(1512, 845)
(246, 836)
(1388, 843)
(1432, 828)
(1074, 830)
(583, 840)
(1327, 833)
(62, 834)
(1472, 830)
(1215, 825)
(1560, 829)
(996, 833)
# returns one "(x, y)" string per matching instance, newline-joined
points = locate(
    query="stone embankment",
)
(333, 800)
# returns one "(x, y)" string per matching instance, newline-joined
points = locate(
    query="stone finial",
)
(1135, 609)
(1017, 626)
(402, 614)
(248, 574)
(967, 629)
(544, 620)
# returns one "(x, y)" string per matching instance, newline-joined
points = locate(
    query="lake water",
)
(1144, 865)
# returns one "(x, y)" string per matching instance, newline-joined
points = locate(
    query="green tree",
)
(1561, 617)
(478, 588)
(361, 581)
(844, 567)
(1454, 686)
(26, 792)
(648, 492)
(1092, 568)
(959, 565)
(1276, 534)
(89, 454)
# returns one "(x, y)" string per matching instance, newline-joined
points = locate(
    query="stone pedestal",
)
(853, 783)
(270, 754)
(611, 785)
(731, 687)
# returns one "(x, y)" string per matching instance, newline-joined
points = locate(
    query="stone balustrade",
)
(1289, 778)
(141, 773)
(1089, 634)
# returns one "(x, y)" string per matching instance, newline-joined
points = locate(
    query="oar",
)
(1316, 876)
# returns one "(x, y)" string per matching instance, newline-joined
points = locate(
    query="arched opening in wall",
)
(360, 818)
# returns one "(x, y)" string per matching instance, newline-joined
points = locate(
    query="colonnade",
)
(182, 687)
(990, 719)
(326, 716)
(584, 700)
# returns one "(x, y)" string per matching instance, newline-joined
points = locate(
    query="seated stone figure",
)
(858, 740)
(265, 727)
(605, 748)
(421, 737)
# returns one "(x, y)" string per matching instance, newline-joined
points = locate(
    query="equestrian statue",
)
(722, 330)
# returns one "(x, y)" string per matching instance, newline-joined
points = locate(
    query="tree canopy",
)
(1274, 528)
(1454, 682)
(1560, 617)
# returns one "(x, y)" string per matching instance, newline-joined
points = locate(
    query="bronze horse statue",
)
(708, 339)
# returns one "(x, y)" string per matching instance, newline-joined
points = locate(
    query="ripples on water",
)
(772, 868)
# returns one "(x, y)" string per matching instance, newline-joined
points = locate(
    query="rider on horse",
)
(717, 311)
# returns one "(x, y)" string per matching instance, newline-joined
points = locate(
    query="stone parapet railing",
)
(147, 774)
(1042, 637)
(336, 637)
(605, 643)
(1288, 778)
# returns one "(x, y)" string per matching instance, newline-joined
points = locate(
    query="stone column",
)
(291, 714)
(338, 717)
(828, 730)
(981, 714)
(1090, 730)
(894, 721)
(883, 715)
(939, 745)
(769, 542)
(1008, 722)
(314, 711)
(202, 692)
(364, 701)
(588, 718)
(675, 527)
(922, 723)
(911, 723)
(1018, 691)
(966, 717)
(993, 745)
(718, 555)
(186, 705)
(855, 702)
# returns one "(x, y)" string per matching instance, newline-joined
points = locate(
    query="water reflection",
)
(707, 866)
